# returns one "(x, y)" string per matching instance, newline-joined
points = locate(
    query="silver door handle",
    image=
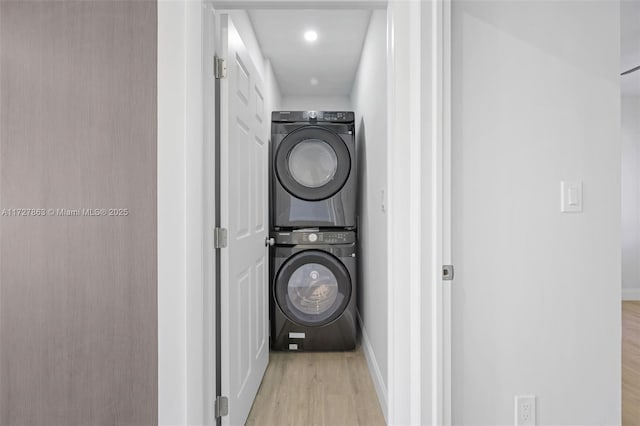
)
(269, 241)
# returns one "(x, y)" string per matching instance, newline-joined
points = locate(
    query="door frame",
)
(419, 347)
(419, 177)
(184, 247)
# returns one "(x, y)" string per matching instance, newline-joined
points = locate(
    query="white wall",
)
(317, 103)
(172, 363)
(181, 329)
(536, 296)
(196, 398)
(630, 197)
(368, 98)
(273, 99)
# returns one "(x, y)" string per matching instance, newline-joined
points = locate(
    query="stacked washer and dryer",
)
(313, 199)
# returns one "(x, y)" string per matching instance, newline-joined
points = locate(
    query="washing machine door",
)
(312, 288)
(312, 163)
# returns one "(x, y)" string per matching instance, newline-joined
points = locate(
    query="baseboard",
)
(374, 369)
(631, 294)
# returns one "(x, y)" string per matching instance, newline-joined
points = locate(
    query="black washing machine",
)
(313, 293)
(314, 176)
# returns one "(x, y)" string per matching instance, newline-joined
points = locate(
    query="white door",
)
(243, 201)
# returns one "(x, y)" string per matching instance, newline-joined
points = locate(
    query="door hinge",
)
(219, 238)
(447, 272)
(219, 67)
(221, 406)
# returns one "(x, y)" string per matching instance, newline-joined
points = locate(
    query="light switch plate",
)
(571, 196)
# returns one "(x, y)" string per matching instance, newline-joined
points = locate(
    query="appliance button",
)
(313, 238)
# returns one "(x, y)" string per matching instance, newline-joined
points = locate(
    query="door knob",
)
(269, 241)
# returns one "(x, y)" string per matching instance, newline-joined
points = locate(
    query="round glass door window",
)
(313, 288)
(313, 163)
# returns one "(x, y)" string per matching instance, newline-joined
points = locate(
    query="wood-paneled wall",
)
(78, 305)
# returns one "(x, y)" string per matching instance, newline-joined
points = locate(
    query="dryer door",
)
(312, 288)
(312, 163)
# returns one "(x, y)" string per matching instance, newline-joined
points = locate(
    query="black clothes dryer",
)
(313, 293)
(314, 176)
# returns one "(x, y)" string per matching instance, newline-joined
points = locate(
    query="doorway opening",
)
(273, 64)
(630, 156)
(416, 45)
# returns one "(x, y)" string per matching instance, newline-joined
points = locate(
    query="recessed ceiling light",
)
(314, 81)
(311, 36)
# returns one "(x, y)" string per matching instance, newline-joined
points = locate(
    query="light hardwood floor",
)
(316, 388)
(631, 363)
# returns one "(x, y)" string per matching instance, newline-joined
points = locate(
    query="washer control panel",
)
(304, 236)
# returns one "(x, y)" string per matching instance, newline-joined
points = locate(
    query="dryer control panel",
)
(313, 237)
(313, 116)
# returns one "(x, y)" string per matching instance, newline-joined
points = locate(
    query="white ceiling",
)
(630, 45)
(332, 59)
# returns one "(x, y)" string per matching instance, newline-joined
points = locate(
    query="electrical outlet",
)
(525, 410)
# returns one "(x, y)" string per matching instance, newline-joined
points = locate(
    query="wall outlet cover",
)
(525, 410)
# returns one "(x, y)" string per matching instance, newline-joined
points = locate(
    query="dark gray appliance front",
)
(314, 175)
